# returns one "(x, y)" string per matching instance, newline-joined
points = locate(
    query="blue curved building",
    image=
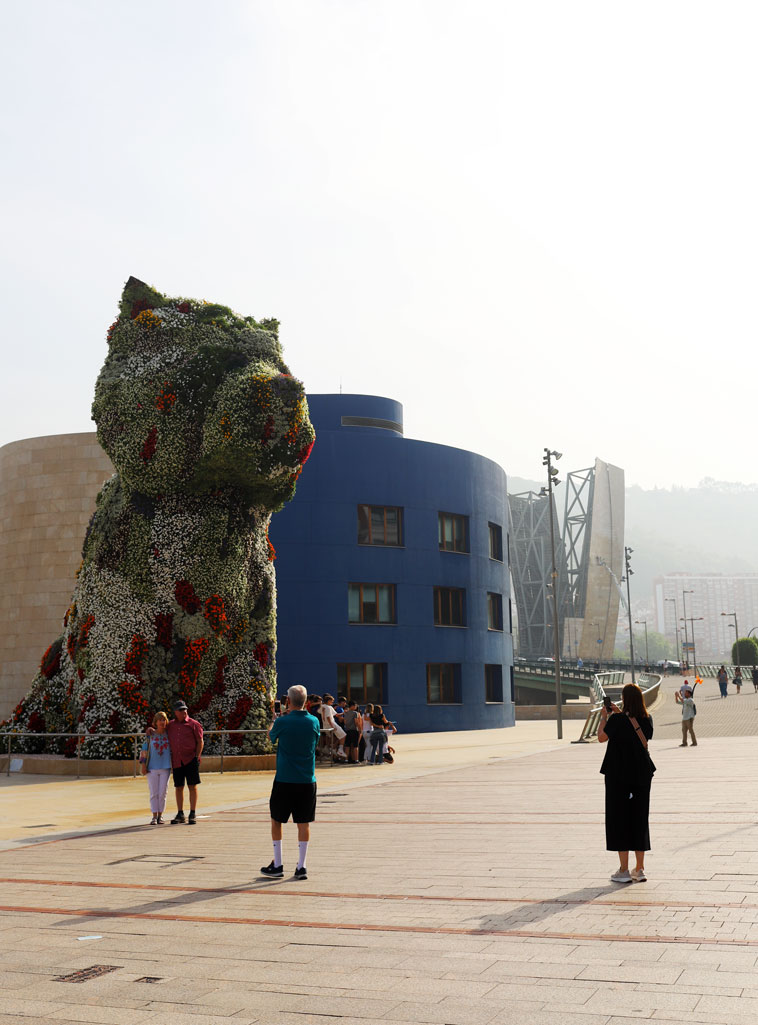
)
(392, 572)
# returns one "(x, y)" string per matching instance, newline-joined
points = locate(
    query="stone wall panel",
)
(48, 488)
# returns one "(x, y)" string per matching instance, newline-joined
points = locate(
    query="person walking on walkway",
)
(723, 679)
(754, 675)
(293, 793)
(628, 770)
(737, 681)
(185, 737)
(683, 697)
(156, 765)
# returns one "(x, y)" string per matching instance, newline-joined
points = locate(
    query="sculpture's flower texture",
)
(176, 593)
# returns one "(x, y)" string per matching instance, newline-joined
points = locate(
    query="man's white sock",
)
(277, 852)
(340, 750)
(303, 848)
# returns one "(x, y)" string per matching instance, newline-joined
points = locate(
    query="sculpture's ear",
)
(138, 296)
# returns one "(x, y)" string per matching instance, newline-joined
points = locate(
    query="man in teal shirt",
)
(296, 735)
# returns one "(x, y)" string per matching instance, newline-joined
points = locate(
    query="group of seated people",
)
(350, 735)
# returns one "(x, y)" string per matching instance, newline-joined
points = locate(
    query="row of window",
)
(383, 525)
(367, 681)
(375, 604)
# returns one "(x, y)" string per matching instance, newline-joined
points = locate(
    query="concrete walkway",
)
(471, 888)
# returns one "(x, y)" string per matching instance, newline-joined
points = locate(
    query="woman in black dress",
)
(628, 771)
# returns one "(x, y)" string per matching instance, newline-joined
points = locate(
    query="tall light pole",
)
(676, 629)
(692, 620)
(686, 639)
(552, 481)
(629, 572)
(643, 622)
(736, 634)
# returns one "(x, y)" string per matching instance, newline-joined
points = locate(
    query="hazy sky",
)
(534, 223)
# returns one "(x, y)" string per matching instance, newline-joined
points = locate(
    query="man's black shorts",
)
(295, 799)
(353, 738)
(189, 774)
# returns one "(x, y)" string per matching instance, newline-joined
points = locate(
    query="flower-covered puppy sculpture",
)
(176, 597)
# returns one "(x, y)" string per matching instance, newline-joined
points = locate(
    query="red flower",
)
(237, 717)
(304, 454)
(215, 613)
(193, 656)
(165, 401)
(261, 655)
(164, 629)
(150, 445)
(138, 307)
(51, 661)
(184, 307)
(136, 656)
(87, 625)
(185, 595)
(268, 431)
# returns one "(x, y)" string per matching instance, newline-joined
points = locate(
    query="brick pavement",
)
(473, 895)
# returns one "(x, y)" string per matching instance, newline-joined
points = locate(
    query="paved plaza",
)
(462, 885)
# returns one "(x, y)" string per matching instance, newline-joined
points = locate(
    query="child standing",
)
(684, 698)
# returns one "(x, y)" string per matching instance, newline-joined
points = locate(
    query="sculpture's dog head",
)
(193, 398)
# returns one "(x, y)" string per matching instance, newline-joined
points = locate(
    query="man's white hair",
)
(298, 696)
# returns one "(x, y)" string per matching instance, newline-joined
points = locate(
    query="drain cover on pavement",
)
(149, 978)
(88, 973)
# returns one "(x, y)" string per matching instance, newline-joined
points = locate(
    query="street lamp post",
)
(676, 629)
(692, 620)
(552, 481)
(629, 572)
(736, 634)
(686, 639)
(643, 622)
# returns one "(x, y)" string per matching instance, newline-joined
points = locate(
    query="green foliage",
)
(176, 596)
(745, 652)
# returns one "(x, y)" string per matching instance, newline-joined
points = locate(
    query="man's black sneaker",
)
(272, 870)
(301, 873)
(179, 817)
(191, 819)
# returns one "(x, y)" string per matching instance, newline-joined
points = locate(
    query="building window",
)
(493, 684)
(453, 532)
(443, 684)
(371, 603)
(449, 606)
(494, 611)
(363, 681)
(496, 542)
(380, 525)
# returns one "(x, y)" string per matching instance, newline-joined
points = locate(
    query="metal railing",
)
(649, 684)
(137, 741)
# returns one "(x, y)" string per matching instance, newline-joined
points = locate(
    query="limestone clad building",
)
(48, 488)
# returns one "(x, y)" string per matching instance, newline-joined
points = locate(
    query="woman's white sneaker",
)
(638, 875)
(621, 876)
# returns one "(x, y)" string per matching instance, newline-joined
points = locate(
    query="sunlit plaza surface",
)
(466, 883)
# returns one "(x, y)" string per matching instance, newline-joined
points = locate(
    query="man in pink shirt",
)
(185, 737)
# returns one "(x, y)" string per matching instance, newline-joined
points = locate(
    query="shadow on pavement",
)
(527, 914)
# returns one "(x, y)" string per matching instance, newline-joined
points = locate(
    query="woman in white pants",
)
(156, 765)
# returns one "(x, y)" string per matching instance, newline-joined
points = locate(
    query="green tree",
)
(745, 652)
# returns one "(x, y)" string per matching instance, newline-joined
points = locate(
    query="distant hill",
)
(708, 529)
